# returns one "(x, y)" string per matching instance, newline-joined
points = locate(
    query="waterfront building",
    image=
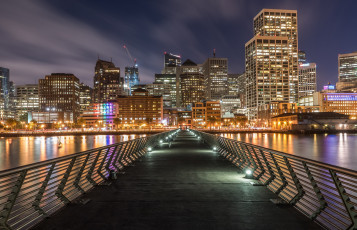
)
(59, 92)
(272, 59)
(101, 115)
(4, 93)
(191, 84)
(206, 113)
(184, 118)
(231, 104)
(347, 72)
(85, 96)
(52, 118)
(27, 100)
(108, 84)
(272, 109)
(307, 79)
(313, 121)
(215, 71)
(131, 78)
(140, 109)
(161, 89)
(170, 117)
(169, 79)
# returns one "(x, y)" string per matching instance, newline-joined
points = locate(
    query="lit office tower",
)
(347, 71)
(169, 79)
(108, 84)
(171, 62)
(215, 71)
(233, 84)
(191, 87)
(301, 57)
(85, 96)
(4, 92)
(131, 78)
(307, 79)
(27, 99)
(59, 92)
(272, 59)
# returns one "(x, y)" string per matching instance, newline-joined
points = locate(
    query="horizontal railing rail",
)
(325, 193)
(30, 193)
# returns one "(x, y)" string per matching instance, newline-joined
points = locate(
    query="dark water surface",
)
(17, 151)
(335, 149)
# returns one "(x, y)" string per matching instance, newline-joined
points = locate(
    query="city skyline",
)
(72, 37)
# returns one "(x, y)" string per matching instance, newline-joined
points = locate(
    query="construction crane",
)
(131, 58)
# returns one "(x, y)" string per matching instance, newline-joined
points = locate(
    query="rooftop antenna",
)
(98, 56)
(111, 59)
(214, 52)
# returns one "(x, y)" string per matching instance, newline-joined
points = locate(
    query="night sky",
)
(42, 37)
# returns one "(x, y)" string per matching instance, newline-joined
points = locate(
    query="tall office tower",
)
(191, 84)
(347, 72)
(272, 59)
(59, 92)
(233, 84)
(85, 96)
(161, 89)
(241, 82)
(131, 78)
(27, 99)
(4, 92)
(169, 79)
(301, 57)
(215, 71)
(171, 63)
(108, 84)
(307, 79)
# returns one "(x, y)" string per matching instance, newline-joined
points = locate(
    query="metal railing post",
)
(91, 170)
(281, 175)
(62, 184)
(5, 213)
(38, 198)
(297, 183)
(267, 164)
(345, 199)
(320, 197)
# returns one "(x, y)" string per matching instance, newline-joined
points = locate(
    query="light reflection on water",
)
(19, 151)
(335, 149)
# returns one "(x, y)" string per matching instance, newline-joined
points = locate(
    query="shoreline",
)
(150, 132)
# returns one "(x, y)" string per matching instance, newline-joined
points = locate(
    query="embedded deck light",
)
(149, 149)
(248, 173)
(214, 148)
(161, 141)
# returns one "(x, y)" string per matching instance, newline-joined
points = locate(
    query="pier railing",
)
(30, 193)
(323, 192)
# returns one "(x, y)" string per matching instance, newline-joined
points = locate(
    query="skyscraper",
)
(169, 79)
(171, 63)
(27, 99)
(85, 96)
(307, 79)
(272, 59)
(191, 83)
(233, 84)
(347, 72)
(108, 84)
(215, 71)
(59, 92)
(131, 78)
(4, 92)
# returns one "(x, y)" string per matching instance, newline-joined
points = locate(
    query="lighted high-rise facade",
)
(168, 79)
(215, 71)
(307, 79)
(191, 84)
(171, 60)
(59, 92)
(27, 99)
(4, 92)
(160, 89)
(108, 84)
(233, 84)
(347, 72)
(131, 78)
(85, 96)
(271, 68)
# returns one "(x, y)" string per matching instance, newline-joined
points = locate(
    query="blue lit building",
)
(100, 115)
(4, 92)
(131, 78)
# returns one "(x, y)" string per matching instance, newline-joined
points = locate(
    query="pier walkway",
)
(182, 185)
